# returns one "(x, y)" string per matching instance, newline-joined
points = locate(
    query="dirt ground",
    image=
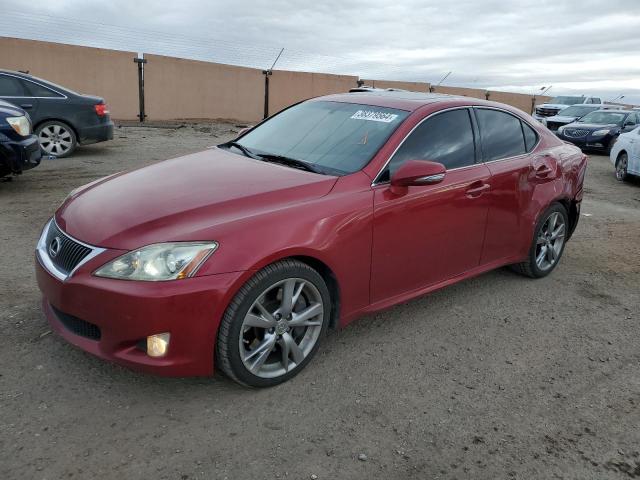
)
(498, 377)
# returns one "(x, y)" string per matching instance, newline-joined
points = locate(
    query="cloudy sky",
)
(585, 46)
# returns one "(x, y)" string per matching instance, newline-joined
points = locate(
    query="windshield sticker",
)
(374, 116)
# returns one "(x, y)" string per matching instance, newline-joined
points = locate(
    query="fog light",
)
(157, 345)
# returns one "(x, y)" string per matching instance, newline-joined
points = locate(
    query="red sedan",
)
(244, 255)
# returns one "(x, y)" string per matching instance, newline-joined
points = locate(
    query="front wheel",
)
(548, 243)
(621, 167)
(274, 325)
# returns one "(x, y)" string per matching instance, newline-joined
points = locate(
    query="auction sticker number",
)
(374, 116)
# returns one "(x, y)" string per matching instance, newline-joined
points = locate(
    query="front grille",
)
(68, 252)
(77, 326)
(575, 132)
(547, 112)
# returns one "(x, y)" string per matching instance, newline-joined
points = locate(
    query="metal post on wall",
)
(141, 61)
(267, 74)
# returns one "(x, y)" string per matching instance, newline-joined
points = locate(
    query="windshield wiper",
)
(247, 152)
(290, 162)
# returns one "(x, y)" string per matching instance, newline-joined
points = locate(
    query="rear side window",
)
(37, 90)
(11, 87)
(501, 134)
(530, 137)
(446, 138)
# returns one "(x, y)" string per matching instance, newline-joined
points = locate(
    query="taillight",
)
(101, 109)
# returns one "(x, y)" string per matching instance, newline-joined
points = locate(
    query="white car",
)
(625, 154)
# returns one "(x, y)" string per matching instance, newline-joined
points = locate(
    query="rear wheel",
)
(548, 243)
(621, 167)
(274, 325)
(56, 138)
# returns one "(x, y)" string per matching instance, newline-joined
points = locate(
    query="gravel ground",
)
(496, 377)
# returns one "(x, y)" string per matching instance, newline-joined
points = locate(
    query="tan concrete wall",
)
(189, 89)
(411, 86)
(465, 92)
(107, 73)
(286, 88)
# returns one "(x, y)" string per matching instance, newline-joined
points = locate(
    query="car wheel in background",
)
(548, 243)
(622, 164)
(274, 324)
(56, 138)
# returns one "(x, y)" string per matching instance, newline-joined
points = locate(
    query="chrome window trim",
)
(61, 97)
(45, 260)
(375, 183)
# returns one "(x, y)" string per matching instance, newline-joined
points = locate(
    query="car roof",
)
(402, 100)
(46, 83)
(608, 110)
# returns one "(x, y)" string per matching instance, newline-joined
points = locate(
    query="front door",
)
(432, 232)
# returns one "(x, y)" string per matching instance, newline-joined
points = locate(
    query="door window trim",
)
(474, 130)
(61, 97)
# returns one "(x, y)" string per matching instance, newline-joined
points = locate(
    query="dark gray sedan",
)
(61, 118)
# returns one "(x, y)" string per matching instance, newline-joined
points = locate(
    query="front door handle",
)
(476, 189)
(26, 105)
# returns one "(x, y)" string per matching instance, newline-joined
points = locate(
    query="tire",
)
(254, 346)
(56, 138)
(551, 241)
(622, 163)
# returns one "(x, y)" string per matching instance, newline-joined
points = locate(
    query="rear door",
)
(13, 90)
(431, 233)
(506, 142)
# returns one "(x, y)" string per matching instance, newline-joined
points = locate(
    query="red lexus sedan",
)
(242, 256)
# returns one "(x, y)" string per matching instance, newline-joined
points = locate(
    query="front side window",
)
(333, 137)
(501, 134)
(11, 87)
(446, 138)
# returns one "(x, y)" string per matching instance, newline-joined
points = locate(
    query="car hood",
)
(183, 199)
(591, 126)
(560, 118)
(553, 105)
(9, 110)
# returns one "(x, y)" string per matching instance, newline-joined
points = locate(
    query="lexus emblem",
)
(54, 247)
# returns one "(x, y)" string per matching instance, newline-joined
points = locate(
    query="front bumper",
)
(126, 312)
(96, 133)
(600, 144)
(19, 155)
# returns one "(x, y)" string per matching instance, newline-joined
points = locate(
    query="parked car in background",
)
(625, 154)
(557, 104)
(599, 130)
(570, 115)
(19, 149)
(246, 253)
(61, 118)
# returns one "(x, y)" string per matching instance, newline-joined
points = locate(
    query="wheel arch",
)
(619, 154)
(571, 206)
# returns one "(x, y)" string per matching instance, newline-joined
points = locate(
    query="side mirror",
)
(418, 172)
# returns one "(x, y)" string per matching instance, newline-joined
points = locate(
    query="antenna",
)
(443, 79)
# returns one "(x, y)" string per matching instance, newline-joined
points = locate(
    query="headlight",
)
(20, 125)
(600, 133)
(561, 129)
(158, 262)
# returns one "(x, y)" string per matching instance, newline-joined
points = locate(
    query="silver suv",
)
(560, 103)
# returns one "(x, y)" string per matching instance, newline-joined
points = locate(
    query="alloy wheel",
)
(621, 167)
(281, 328)
(55, 139)
(550, 241)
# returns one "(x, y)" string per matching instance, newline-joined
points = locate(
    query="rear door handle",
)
(27, 105)
(476, 190)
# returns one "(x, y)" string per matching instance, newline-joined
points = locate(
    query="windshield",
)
(336, 138)
(604, 118)
(576, 111)
(567, 100)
